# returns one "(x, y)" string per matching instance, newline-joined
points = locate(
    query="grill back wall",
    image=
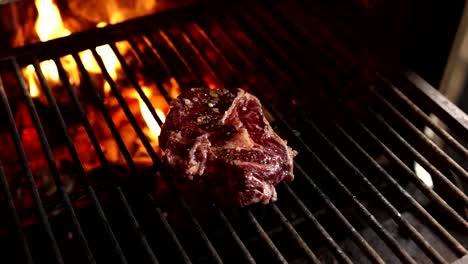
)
(356, 196)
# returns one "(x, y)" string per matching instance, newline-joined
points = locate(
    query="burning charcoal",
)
(222, 144)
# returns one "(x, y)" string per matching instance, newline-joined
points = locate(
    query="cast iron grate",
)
(356, 197)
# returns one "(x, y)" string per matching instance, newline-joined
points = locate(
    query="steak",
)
(221, 144)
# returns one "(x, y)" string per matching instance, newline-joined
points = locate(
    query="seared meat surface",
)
(221, 143)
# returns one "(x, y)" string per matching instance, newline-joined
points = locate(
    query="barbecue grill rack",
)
(355, 198)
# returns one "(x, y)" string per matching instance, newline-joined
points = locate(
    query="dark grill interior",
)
(356, 197)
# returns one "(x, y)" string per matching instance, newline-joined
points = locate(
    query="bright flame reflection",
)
(423, 175)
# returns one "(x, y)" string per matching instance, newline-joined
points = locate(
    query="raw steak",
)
(221, 142)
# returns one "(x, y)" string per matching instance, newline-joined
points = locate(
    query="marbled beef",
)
(222, 144)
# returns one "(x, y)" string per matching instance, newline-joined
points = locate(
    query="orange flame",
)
(153, 126)
(49, 23)
(30, 74)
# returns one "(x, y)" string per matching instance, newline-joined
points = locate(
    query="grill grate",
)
(356, 197)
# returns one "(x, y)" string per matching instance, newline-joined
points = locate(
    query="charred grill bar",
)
(356, 195)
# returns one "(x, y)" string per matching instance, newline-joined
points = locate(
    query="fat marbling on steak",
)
(222, 144)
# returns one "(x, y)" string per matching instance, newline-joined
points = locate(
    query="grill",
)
(356, 196)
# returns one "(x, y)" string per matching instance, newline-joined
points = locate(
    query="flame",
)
(118, 12)
(107, 55)
(49, 24)
(173, 88)
(30, 74)
(153, 126)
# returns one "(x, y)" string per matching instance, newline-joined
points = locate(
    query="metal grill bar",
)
(97, 148)
(279, 257)
(250, 215)
(329, 55)
(252, 22)
(455, 191)
(150, 42)
(357, 238)
(452, 115)
(52, 164)
(138, 88)
(254, 221)
(146, 142)
(457, 246)
(237, 47)
(181, 58)
(239, 242)
(244, 250)
(311, 256)
(367, 248)
(319, 227)
(394, 212)
(155, 79)
(428, 192)
(391, 242)
(418, 182)
(275, 112)
(119, 139)
(171, 232)
(223, 58)
(432, 146)
(290, 229)
(11, 208)
(184, 58)
(216, 47)
(29, 177)
(76, 159)
(416, 236)
(241, 245)
(427, 120)
(427, 247)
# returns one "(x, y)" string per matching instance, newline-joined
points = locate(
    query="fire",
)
(153, 126)
(173, 88)
(110, 61)
(49, 24)
(30, 74)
